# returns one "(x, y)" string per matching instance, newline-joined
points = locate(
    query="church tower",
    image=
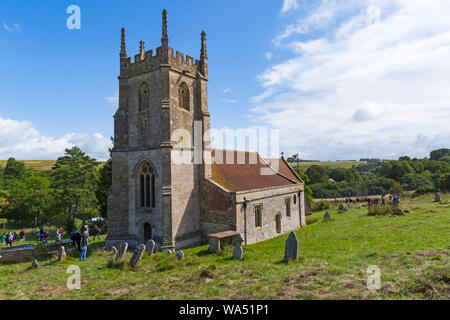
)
(155, 195)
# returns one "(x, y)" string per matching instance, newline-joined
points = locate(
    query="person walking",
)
(3, 239)
(84, 243)
(96, 232)
(76, 238)
(9, 239)
(22, 236)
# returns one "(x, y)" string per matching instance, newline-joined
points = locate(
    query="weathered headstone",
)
(35, 264)
(114, 250)
(122, 251)
(291, 251)
(151, 245)
(180, 255)
(61, 253)
(341, 207)
(103, 249)
(327, 217)
(238, 252)
(397, 212)
(437, 197)
(170, 252)
(137, 256)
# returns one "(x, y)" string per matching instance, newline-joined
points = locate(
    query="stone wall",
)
(273, 203)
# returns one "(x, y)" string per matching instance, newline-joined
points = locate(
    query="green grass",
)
(412, 252)
(39, 165)
(329, 164)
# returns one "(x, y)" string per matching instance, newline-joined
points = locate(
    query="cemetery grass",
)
(412, 252)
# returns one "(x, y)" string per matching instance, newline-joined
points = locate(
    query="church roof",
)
(243, 171)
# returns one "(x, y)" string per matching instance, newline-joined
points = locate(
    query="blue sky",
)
(291, 65)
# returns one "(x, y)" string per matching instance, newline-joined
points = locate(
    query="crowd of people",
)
(79, 238)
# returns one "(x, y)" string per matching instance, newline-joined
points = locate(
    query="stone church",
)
(178, 204)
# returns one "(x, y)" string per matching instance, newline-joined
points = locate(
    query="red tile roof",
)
(244, 171)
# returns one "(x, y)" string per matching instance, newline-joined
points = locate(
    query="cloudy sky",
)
(340, 80)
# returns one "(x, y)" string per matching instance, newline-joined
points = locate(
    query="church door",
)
(278, 222)
(147, 232)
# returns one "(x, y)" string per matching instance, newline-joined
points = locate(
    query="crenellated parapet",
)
(148, 61)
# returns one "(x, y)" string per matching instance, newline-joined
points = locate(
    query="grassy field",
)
(412, 251)
(39, 165)
(329, 164)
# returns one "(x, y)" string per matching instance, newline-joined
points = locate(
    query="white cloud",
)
(230, 100)
(19, 139)
(226, 91)
(114, 99)
(289, 5)
(13, 28)
(268, 56)
(365, 78)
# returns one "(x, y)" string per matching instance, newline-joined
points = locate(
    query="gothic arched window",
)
(146, 185)
(183, 96)
(144, 97)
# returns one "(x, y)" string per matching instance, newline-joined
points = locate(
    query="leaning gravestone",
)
(137, 256)
(170, 252)
(151, 245)
(327, 216)
(114, 250)
(35, 264)
(437, 197)
(61, 253)
(238, 252)
(180, 255)
(291, 251)
(122, 251)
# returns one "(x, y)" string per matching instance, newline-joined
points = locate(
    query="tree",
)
(104, 183)
(13, 170)
(74, 179)
(317, 174)
(437, 154)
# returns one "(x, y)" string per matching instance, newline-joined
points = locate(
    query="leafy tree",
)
(74, 179)
(305, 179)
(104, 183)
(412, 181)
(445, 159)
(13, 170)
(317, 174)
(342, 174)
(435, 166)
(437, 154)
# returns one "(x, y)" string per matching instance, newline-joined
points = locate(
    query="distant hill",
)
(39, 165)
(328, 164)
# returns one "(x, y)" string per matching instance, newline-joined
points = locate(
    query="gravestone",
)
(341, 207)
(137, 256)
(397, 212)
(238, 252)
(102, 249)
(61, 253)
(151, 245)
(291, 251)
(35, 264)
(327, 217)
(170, 252)
(122, 251)
(114, 250)
(437, 197)
(180, 255)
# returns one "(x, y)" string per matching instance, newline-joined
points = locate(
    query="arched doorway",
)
(147, 232)
(278, 222)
